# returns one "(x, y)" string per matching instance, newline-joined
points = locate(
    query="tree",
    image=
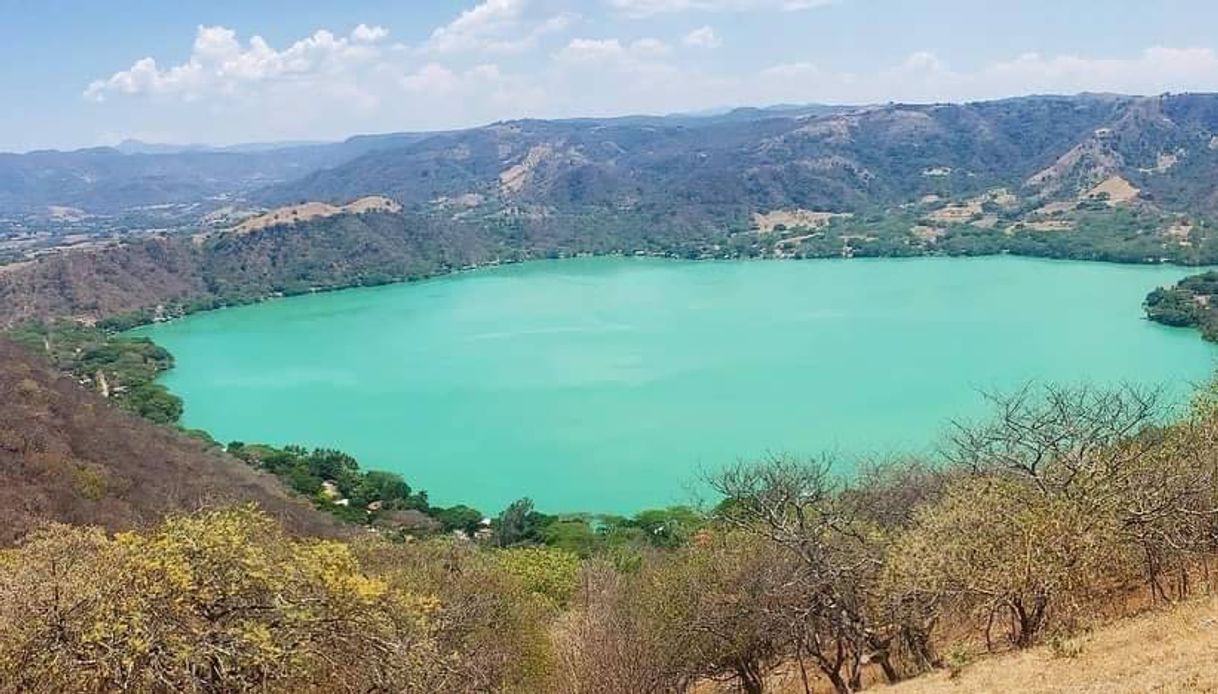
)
(490, 630)
(720, 607)
(376, 485)
(1001, 550)
(546, 572)
(1062, 440)
(467, 520)
(519, 524)
(669, 527)
(214, 601)
(798, 508)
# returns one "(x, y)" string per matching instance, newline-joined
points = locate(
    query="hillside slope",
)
(1174, 650)
(182, 273)
(1094, 177)
(100, 282)
(1040, 148)
(66, 455)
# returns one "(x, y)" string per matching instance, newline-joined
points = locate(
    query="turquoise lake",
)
(608, 384)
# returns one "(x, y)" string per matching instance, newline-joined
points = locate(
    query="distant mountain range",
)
(1039, 148)
(135, 174)
(110, 180)
(1093, 176)
(825, 157)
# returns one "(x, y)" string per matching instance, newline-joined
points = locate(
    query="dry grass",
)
(928, 234)
(1118, 190)
(956, 213)
(1163, 163)
(1050, 225)
(1053, 208)
(15, 266)
(1179, 232)
(1174, 650)
(315, 210)
(792, 219)
(514, 178)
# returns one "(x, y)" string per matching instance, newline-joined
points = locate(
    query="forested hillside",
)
(66, 455)
(1041, 148)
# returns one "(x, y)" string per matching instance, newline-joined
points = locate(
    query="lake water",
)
(607, 384)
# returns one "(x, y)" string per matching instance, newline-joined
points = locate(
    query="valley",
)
(610, 385)
(532, 446)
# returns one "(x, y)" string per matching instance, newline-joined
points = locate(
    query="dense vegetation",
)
(1059, 511)
(121, 368)
(1189, 303)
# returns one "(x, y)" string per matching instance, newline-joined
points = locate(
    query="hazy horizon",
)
(227, 72)
(699, 113)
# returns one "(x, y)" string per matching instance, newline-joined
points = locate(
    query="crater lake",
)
(609, 384)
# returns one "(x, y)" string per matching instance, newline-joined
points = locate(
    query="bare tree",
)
(798, 507)
(1059, 438)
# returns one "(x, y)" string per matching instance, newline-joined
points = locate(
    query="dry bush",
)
(601, 646)
(490, 627)
(216, 601)
(1015, 559)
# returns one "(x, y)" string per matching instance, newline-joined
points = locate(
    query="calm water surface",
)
(607, 384)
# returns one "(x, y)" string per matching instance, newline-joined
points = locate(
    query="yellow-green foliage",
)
(89, 481)
(217, 601)
(549, 573)
(491, 628)
(996, 545)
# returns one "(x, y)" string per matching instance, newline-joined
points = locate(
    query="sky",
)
(84, 73)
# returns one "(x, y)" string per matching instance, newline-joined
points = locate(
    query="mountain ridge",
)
(1098, 177)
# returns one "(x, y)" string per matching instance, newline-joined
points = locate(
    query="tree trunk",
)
(856, 673)
(1152, 577)
(885, 663)
(803, 671)
(1027, 622)
(839, 684)
(749, 674)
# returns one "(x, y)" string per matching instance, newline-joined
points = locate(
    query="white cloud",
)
(642, 57)
(591, 50)
(366, 34)
(496, 26)
(432, 78)
(702, 37)
(332, 85)
(1152, 71)
(649, 47)
(925, 77)
(647, 8)
(219, 64)
(790, 70)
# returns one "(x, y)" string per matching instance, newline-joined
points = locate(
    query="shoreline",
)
(985, 261)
